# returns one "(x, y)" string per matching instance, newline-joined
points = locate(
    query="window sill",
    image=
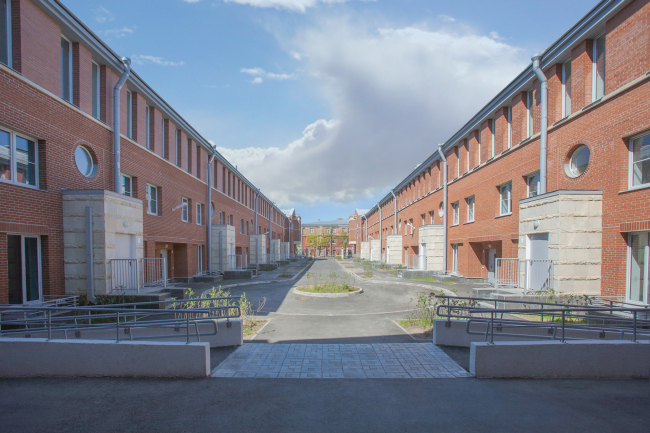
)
(23, 185)
(636, 188)
(453, 225)
(504, 215)
(152, 214)
(469, 222)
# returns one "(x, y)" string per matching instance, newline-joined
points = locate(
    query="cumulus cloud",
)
(260, 74)
(395, 93)
(141, 59)
(118, 33)
(292, 5)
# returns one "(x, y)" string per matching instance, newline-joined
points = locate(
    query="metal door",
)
(492, 254)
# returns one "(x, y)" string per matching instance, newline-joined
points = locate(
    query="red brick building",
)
(64, 215)
(591, 217)
(326, 238)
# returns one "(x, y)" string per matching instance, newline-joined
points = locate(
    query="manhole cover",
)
(304, 298)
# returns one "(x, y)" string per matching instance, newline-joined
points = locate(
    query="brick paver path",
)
(361, 361)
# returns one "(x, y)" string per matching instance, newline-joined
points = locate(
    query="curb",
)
(327, 295)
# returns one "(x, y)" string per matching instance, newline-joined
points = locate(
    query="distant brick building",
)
(65, 218)
(326, 238)
(593, 223)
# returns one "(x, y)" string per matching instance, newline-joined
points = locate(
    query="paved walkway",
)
(338, 361)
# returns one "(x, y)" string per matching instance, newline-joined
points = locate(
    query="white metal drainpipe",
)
(362, 217)
(543, 135)
(395, 211)
(256, 200)
(126, 65)
(444, 209)
(210, 210)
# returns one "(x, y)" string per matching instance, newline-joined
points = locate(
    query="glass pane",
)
(15, 262)
(31, 270)
(600, 67)
(65, 70)
(5, 155)
(95, 91)
(4, 33)
(567, 88)
(637, 266)
(25, 161)
(83, 161)
(126, 185)
(580, 160)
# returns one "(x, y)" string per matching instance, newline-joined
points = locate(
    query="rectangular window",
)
(494, 124)
(509, 127)
(230, 220)
(198, 161)
(529, 106)
(199, 258)
(148, 125)
(455, 209)
(505, 193)
(639, 161)
(129, 114)
(424, 218)
(246, 227)
(185, 211)
(25, 269)
(333, 240)
(333, 230)
(96, 77)
(327, 230)
(470, 209)
(241, 227)
(637, 275)
(189, 158)
(478, 138)
(566, 89)
(221, 218)
(66, 69)
(311, 230)
(199, 214)
(454, 258)
(18, 159)
(431, 217)
(152, 200)
(532, 183)
(5, 32)
(599, 68)
(127, 185)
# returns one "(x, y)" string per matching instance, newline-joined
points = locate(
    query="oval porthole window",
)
(579, 161)
(85, 161)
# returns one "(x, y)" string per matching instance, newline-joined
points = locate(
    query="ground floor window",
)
(638, 257)
(24, 269)
(199, 258)
(454, 258)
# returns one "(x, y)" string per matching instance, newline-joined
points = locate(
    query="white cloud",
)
(141, 59)
(118, 33)
(103, 15)
(295, 55)
(191, 1)
(293, 5)
(394, 94)
(447, 18)
(260, 73)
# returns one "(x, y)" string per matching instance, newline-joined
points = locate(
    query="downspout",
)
(363, 216)
(444, 209)
(395, 211)
(210, 216)
(543, 135)
(379, 207)
(256, 200)
(126, 65)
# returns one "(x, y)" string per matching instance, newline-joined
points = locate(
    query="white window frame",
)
(129, 114)
(13, 168)
(432, 216)
(594, 93)
(148, 126)
(528, 179)
(506, 186)
(150, 188)
(230, 220)
(70, 81)
(470, 208)
(24, 269)
(9, 36)
(97, 81)
(199, 259)
(311, 230)
(222, 217)
(199, 214)
(630, 177)
(529, 113)
(126, 176)
(565, 112)
(455, 207)
(628, 269)
(185, 210)
(454, 258)
(509, 127)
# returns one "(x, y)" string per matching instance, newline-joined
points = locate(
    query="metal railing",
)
(154, 272)
(124, 274)
(538, 275)
(238, 262)
(556, 321)
(506, 273)
(131, 320)
(412, 261)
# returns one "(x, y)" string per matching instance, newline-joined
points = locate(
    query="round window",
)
(579, 161)
(85, 161)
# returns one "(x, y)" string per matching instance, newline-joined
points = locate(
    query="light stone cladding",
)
(274, 250)
(257, 249)
(573, 221)
(432, 236)
(223, 246)
(394, 249)
(112, 214)
(375, 250)
(284, 251)
(365, 250)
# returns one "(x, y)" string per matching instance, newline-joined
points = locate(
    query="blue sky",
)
(326, 104)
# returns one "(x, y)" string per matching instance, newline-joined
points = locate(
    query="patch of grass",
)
(422, 278)
(394, 274)
(415, 327)
(285, 276)
(328, 288)
(366, 276)
(448, 282)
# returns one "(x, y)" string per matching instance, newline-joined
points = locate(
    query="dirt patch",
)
(252, 328)
(416, 330)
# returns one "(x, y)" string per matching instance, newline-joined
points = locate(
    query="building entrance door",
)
(492, 255)
(423, 257)
(537, 264)
(24, 266)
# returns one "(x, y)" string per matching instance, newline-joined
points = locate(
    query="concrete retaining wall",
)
(554, 359)
(30, 357)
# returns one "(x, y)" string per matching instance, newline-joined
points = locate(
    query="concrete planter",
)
(358, 291)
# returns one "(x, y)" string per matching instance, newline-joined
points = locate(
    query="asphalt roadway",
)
(326, 405)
